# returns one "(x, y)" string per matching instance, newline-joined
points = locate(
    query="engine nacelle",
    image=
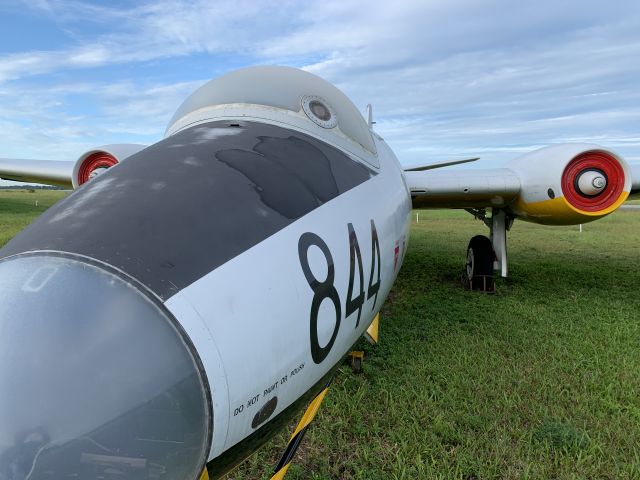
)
(570, 183)
(96, 161)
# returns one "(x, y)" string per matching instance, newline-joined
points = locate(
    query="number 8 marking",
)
(321, 290)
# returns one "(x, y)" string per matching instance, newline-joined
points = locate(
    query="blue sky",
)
(448, 79)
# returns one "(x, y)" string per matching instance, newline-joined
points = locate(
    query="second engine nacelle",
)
(97, 160)
(570, 183)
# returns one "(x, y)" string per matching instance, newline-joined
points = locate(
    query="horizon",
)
(447, 80)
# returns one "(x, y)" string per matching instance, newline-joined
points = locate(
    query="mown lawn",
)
(18, 208)
(541, 380)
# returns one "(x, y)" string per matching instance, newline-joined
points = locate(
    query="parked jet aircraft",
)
(164, 319)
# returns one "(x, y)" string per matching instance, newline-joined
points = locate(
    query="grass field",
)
(18, 208)
(541, 380)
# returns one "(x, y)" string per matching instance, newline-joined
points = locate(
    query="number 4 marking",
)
(356, 303)
(375, 260)
(326, 289)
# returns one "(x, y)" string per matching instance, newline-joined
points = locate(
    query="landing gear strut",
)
(500, 225)
(488, 254)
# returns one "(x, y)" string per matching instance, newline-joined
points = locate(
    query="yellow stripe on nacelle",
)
(558, 211)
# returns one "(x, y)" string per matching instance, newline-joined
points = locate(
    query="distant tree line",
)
(30, 187)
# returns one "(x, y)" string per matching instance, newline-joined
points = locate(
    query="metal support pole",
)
(499, 240)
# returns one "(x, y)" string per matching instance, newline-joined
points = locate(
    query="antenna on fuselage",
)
(370, 121)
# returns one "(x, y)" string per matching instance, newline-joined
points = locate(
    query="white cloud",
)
(446, 78)
(36, 124)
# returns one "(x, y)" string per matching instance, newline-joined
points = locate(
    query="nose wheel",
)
(479, 265)
(356, 357)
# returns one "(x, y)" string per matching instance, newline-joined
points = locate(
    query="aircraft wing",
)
(635, 183)
(479, 188)
(69, 174)
(559, 185)
(463, 188)
(50, 172)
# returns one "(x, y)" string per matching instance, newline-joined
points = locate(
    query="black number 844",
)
(327, 290)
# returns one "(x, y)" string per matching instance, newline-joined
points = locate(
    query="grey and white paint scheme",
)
(189, 296)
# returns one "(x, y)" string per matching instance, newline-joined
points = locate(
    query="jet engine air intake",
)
(97, 161)
(95, 164)
(568, 184)
(593, 181)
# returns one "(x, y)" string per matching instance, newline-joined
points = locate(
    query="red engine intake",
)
(93, 164)
(605, 184)
(100, 159)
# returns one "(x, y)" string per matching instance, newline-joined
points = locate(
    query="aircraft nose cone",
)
(591, 182)
(96, 380)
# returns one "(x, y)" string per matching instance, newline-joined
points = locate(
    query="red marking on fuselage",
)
(396, 251)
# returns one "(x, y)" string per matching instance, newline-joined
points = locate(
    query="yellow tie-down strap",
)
(205, 474)
(298, 434)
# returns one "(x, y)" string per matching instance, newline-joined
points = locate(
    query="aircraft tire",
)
(356, 365)
(479, 266)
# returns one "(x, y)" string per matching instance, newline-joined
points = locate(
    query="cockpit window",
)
(320, 110)
(280, 88)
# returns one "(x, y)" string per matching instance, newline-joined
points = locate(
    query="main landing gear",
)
(479, 267)
(488, 254)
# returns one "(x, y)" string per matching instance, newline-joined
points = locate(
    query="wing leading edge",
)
(635, 182)
(480, 188)
(50, 172)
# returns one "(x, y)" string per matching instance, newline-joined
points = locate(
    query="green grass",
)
(539, 381)
(18, 208)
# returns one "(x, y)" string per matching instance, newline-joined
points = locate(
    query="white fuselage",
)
(250, 318)
(213, 281)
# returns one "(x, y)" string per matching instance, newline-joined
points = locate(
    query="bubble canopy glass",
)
(96, 380)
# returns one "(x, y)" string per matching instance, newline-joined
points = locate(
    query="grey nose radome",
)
(96, 380)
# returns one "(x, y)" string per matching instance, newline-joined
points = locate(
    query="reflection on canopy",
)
(96, 381)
